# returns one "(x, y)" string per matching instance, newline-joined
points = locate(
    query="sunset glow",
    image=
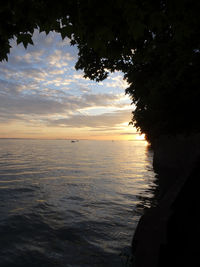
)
(43, 96)
(140, 137)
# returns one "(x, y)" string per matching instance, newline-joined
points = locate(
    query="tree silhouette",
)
(155, 43)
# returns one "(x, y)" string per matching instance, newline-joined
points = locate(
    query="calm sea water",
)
(71, 204)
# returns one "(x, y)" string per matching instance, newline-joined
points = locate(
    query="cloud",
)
(33, 73)
(84, 89)
(31, 57)
(33, 104)
(59, 58)
(80, 77)
(94, 121)
(8, 117)
(99, 99)
(56, 71)
(129, 133)
(105, 129)
(28, 99)
(40, 85)
(7, 87)
(48, 50)
(116, 82)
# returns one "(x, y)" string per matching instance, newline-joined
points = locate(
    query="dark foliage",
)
(155, 43)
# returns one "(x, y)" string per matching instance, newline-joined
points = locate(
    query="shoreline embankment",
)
(168, 234)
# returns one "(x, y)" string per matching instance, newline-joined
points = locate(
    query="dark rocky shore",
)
(169, 234)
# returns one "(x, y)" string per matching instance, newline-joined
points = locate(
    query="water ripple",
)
(64, 205)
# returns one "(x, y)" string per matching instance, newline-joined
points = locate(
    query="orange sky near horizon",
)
(22, 131)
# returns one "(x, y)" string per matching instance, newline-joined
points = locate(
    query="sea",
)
(66, 203)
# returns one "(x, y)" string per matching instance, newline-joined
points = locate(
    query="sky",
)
(42, 96)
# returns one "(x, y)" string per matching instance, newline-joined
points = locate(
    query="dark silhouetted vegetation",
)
(155, 43)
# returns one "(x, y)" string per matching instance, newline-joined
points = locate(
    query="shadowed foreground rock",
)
(169, 234)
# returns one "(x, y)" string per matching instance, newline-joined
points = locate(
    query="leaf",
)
(25, 38)
(66, 32)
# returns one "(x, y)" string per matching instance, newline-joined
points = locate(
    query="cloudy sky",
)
(43, 96)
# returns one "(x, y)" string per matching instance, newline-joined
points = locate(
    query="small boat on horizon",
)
(74, 141)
